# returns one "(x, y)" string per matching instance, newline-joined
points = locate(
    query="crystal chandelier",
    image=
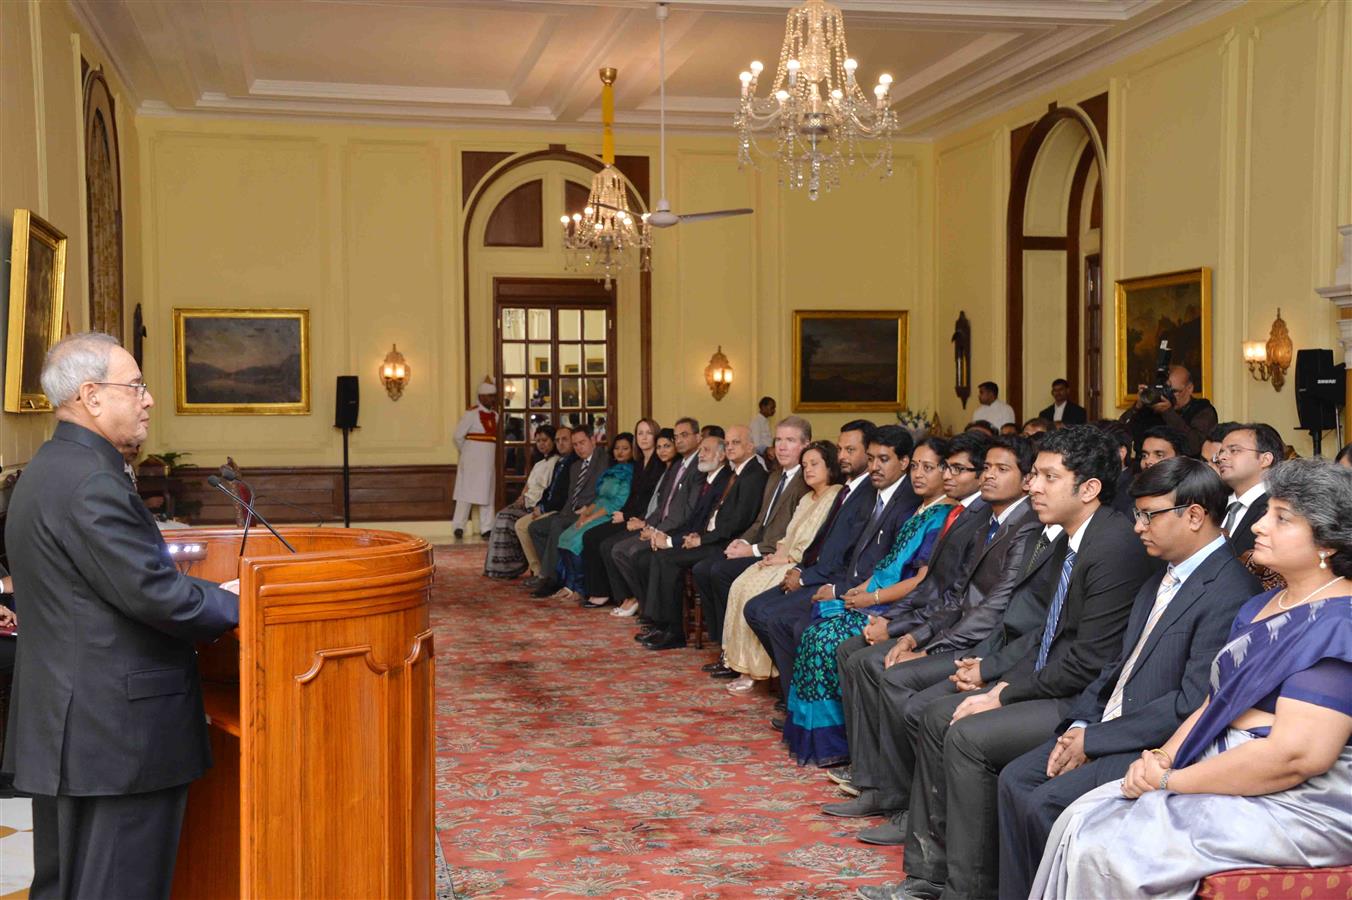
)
(598, 239)
(818, 112)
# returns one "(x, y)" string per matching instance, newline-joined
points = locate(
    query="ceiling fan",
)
(662, 216)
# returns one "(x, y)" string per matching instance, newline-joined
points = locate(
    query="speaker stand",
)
(347, 482)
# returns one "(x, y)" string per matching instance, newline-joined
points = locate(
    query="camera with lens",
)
(1161, 391)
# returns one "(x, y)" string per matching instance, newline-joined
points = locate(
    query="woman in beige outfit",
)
(741, 648)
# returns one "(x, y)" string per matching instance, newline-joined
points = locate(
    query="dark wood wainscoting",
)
(379, 493)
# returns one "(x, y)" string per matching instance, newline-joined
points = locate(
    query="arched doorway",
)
(1053, 283)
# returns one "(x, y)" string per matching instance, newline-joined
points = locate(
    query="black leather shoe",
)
(716, 664)
(780, 706)
(646, 632)
(459, 533)
(868, 803)
(777, 723)
(546, 588)
(665, 640)
(891, 833)
(530, 582)
(724, 672)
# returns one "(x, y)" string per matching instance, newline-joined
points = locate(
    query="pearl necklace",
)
(1281, 605)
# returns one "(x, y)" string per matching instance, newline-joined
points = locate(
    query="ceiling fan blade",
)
(718, 214)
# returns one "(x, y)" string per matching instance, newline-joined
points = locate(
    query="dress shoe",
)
(891, 833)
(868, 803)
(546, 589)
(780, 706)
(716, 664)
(646, 632)
(459, 533)
(882, 891)
(777, 723)
(665, 640)
(724, 672)
(530, 582)
(840, 774)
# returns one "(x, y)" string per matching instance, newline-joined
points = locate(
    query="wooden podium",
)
(321, 720)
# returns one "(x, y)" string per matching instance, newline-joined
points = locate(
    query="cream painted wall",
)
(42, 168)
(1229, 147)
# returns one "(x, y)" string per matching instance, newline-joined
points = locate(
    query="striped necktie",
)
(1054, 611)
(1231, 517)
(581, 480)
(1038, 549)
(992, 528)
(1168, 587)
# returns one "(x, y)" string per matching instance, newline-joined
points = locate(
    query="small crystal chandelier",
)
(817, 110)
(598, 238)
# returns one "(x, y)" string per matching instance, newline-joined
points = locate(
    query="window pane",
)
(570, 393)
(596, 393)
(513, 324)
(539, 325)
(514, 392)
(516, 453)
(596, 359)
(536, 420)
(594, 320)
(540, 393)
(539, 359)
(514, 359)
(602, 429)
(570, 359)
(570, 324)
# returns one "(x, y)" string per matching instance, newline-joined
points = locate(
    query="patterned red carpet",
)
(573, 763)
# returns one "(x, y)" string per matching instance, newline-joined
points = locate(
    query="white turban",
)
(488, 387)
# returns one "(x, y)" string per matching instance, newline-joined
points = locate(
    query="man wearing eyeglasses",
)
(1246, 454)
(1179, 620)
(108, 723)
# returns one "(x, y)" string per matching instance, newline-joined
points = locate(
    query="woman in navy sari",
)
(1261, 774)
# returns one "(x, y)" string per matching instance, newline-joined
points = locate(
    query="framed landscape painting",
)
(242, 361)
(1176, 307)
(847, 360)
(37, 287)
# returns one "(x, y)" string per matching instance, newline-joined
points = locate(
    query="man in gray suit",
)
(544, 532)
(108, 727)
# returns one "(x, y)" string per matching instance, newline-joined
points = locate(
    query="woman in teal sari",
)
(814, 725)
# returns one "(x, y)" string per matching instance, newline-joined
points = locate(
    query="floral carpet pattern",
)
(573, 763)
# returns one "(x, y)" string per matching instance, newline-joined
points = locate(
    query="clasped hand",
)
(978, 703)
(968, 675)
(1068, 753)
(1144, 776)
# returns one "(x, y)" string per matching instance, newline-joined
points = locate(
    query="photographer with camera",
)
(1170, 403)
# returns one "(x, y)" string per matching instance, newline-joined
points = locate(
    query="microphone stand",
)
(215, 481)
(229, 476)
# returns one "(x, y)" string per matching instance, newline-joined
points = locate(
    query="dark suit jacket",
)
(1172, 675)
(705, 502)
(834, 554)
(764, 534)
(874, 544)
(647, 478)
(970, 613)
(1073, 414)
(738, 509)
(686, 487)
(1027, 610)
(106, 693)
(557, 493)
(600, 461)
(948, 562)
(1241, 541)
(1110, 567)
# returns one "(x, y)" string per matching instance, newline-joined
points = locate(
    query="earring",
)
(1324, 560)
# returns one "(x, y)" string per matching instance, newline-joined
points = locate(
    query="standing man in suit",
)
(582, 477)
(714, 575)
(1178, 623)
(1023, 691)
(1247, 453)
(705, 539)
(1063, 410)
(109, 726)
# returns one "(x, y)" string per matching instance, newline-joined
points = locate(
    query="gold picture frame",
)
(37, 293)
(849, 359)
(242, 362)
(1174, 305)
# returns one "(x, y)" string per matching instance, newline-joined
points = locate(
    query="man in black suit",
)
(1063, 410)
(1178, 623)
(779, 621)
(109, 726)
(704, 538)
(1247, 452)
(582, 477)
(1020, 693)
(963, 613)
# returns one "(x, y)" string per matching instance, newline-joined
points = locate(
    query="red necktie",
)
(952, 517)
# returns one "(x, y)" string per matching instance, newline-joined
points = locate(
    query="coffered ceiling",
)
(534, 62)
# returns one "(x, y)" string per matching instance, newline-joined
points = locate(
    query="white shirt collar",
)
(1051, 532)
(714, 474)
(888, 492)
(853, 484)
(1249, 497)
(970, 499)
(1074, 542)
(737, 470)
(1009, 510)
(1191, 564)
(792, 472)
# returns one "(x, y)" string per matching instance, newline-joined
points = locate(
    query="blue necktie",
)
(994, 527)
(1054, 613)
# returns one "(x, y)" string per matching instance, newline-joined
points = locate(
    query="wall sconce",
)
(718, 374)
(1269, 361)
(394, 373)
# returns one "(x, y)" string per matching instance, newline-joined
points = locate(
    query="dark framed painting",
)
(849, 359)
(1176, 307)
(37, 291)
(240, 362)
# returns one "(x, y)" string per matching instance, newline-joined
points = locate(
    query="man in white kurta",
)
(476, 435)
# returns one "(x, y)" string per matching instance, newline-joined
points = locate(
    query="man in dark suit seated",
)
(1179, 622)
(108, 727)
(779, 619)
(1247, 452)
(582, 477)
(1063, 410)
(1019, 694)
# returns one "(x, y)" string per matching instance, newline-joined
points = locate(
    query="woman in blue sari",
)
(814, 721)
(1261, 774)
(612, 490)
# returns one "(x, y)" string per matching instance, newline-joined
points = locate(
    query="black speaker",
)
(1320, 388)
(345, 404)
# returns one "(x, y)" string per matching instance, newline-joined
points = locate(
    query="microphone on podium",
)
(215, 481)
(230, 475)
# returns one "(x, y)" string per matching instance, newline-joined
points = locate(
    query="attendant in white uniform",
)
(476, 436)
(762, 426)
(992, 408)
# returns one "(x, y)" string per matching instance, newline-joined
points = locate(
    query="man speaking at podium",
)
(108, 727)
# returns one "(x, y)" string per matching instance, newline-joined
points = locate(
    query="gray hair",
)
(1320, 492)
(803, 425)
(73, 361)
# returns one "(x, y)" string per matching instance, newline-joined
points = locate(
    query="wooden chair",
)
(693, 612)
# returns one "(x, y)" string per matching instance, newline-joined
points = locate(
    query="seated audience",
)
(505, 558)
(981, 426)
(1212, 445)
(823, 477)
(583, 475)
(1009, 429)
(1178, 622)
(1248, 452)
(551, 501)
(1160, 444)
(1035, 426)
(1063, 410)
(1122, 435)
(814, 727)
(612, 492)
(993, 411)
(1192, 417)
(1261, 773)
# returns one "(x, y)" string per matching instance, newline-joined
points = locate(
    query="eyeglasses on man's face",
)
(139, 386)
(1146, 516)
(956, 468)
(1234, 450)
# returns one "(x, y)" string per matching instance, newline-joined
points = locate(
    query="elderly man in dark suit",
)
(1178, 623)
(582, 477)
(109, 726)
(1019, 694)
